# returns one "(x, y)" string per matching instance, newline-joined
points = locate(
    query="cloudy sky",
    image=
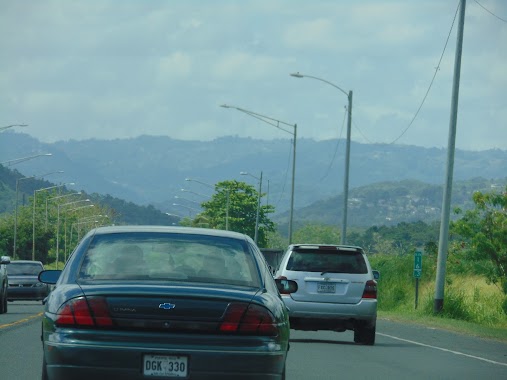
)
(107, 69)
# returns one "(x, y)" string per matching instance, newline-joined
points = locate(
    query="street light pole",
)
(16, 215)
(89, 219)
(33, 213)
(190, 209)
(65, 230)
(58, 226)
(13, 125)
(343, 236)
(187, 200)
(276, 123)
(202, 183)
(256, 236)
(193, 192)
(23, 159)
(16, 207)
(57, 197)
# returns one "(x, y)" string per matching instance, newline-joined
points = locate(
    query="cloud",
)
(175, 65)
(121, 68)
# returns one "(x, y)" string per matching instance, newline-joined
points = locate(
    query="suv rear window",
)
(327, 260)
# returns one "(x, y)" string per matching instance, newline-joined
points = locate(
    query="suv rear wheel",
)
(364, 334)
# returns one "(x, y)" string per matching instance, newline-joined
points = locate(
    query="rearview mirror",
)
(49, 276)
(376, 274)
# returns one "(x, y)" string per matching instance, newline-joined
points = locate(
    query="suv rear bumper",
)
(366, 309)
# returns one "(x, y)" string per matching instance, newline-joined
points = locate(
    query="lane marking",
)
(444, 349)
(21, 321)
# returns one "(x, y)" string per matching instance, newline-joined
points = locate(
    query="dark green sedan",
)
(149, 302)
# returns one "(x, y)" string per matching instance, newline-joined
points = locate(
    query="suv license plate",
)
(163, 365)
(325, 287)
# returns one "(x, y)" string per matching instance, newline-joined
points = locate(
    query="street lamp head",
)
(225, 106)
(13, 125)
(243, 173)
(297, 75)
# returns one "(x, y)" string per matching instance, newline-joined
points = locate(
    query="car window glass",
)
(327, 261)
(174, 257)
(27, 269)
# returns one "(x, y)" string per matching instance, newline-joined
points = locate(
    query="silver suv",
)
(336, 289)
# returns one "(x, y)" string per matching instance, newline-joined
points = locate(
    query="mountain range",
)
(153, 170)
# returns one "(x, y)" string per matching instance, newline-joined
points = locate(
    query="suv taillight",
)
(82, 312)
(248, 319)
(370, 289)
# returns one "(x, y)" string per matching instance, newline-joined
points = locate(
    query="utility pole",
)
(347, 169)
(256, 234)
(446, 202)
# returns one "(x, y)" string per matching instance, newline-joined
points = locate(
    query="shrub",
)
(468, 296)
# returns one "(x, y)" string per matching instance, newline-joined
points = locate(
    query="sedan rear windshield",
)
(169, 257)
(328, 260)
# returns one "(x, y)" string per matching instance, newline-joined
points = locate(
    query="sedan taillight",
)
(83, 312)
(248, 319)
(370, 289)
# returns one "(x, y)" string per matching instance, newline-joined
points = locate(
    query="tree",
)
(318, 234)
(234, 206)
(484, 233)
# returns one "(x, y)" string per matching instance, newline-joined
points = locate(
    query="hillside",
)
(384, 203)
(151, 170)
(122, 212)
(391, 203)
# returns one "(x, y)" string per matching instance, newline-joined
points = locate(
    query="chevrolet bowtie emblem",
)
(166, 306)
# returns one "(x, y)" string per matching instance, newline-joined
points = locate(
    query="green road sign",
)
(417, 264)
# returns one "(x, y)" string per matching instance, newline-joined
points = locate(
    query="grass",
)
(467, 328)
(471, 305)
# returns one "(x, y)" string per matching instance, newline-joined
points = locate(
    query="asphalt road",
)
(401, 352)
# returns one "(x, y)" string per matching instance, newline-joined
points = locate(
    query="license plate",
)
(163, 365)
(324, 287)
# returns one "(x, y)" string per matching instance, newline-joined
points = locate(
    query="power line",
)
(491, 13)
(285, 176)
(432, 80)
(362, 134)
(336, 148)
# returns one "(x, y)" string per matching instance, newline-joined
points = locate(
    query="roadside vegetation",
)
(472, 304)
(475, 298)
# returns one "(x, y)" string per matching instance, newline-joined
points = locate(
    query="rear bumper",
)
(86, 373)
(67, 358)
(365, 310)
(15, 293)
